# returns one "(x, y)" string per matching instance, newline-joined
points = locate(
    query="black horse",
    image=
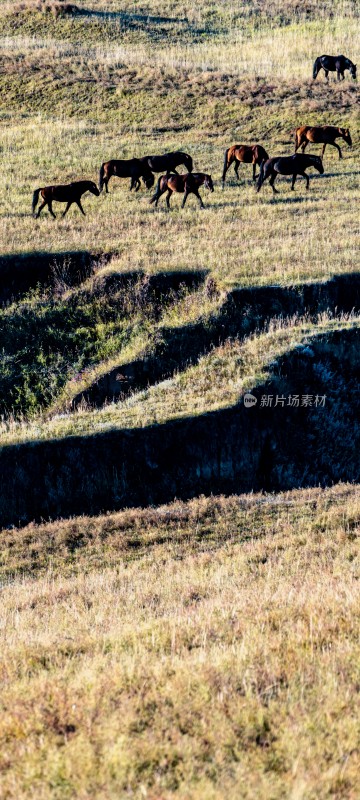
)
(168, 162)
(336, 64)
(288, 165)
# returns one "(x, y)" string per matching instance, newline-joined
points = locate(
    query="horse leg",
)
(196, 191)
(78, 202)
(50, 209)
(169, 193)
(67, 207)
(185, 198)
(326, 74)
(272, 181)
(338, 148)
(254, 170)
(237, 165)
(304, 175)
(293, 180)
(323, 150)
(41, 208)
(304, 145)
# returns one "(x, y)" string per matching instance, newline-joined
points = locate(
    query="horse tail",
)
(101, 177)
(190, 165)
(260, 154)
(297, 138)
(226, 165)
(158, 192)
(261, 177)
(35, 199)
(316, 67)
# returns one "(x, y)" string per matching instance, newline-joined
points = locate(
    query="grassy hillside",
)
(209, 648)
(198, 651)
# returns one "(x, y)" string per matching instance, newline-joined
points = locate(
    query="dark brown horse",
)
(321, 135)
(288, 165)
(245, 154)
(185, 184)
(169, 161)
(336, 64)
(134, 168)
(68, 193)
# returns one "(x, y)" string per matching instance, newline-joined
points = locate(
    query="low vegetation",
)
(209, 648)
(191, 651)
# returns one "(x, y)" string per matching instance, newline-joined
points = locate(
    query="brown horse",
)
(68, 193)
(185, 184)
(246, 154)
(321, 135)
(134, 168)
(288, 165)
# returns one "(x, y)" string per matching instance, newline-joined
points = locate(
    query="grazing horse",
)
(168, 162)
(321, 135)
(133, 168)
(186, 184)
(246, 154)
(336, 64)
(69, 193)
(288, 165)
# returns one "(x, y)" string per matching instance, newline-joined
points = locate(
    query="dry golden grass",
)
(198, 651)
(209, 649)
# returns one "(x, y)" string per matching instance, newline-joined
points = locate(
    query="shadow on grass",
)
(152, 24)
(21, 272)
(244, 311)
(293, 198)
(237, 449)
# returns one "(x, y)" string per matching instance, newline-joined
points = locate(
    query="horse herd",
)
(138, 169)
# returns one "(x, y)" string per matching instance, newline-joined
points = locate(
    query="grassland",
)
(197, 651)
(206, 649)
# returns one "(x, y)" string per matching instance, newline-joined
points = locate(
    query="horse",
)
(168, 162)
(288, 165)
(336, 64)
(68, 193)
(321, 135)
(246, 154)
(186, 184)
(133, 168)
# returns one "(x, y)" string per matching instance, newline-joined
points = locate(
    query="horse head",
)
(352, 70)
(318, 164)
(208, 183)
(346, 135)
(148, 179)
(93, 188)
